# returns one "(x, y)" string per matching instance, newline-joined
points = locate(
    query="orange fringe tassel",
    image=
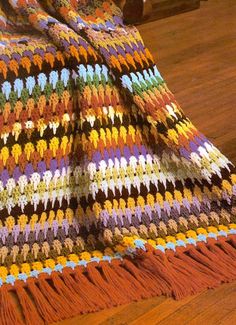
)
(186, 271)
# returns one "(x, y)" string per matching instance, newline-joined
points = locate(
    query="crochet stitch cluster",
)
(97, 159)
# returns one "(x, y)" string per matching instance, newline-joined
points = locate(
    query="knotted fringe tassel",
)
(29, 309)
(88, 291)
(186, 271)
(75, 303)
(109, 289)
(9, 314)
(131, 283)
(47, 312)
(59, 302)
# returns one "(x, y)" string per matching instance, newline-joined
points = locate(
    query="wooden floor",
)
(196, 53)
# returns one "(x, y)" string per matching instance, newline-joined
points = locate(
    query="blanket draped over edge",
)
(108, 192)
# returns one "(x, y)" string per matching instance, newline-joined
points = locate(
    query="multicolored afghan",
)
(108, 192)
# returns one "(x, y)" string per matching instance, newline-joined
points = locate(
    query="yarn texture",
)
(108, 193)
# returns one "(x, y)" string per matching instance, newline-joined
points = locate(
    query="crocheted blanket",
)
(108, 192)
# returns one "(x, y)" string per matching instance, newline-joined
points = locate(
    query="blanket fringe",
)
(180, 273)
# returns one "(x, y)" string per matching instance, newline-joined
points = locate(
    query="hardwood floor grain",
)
(196, 53)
